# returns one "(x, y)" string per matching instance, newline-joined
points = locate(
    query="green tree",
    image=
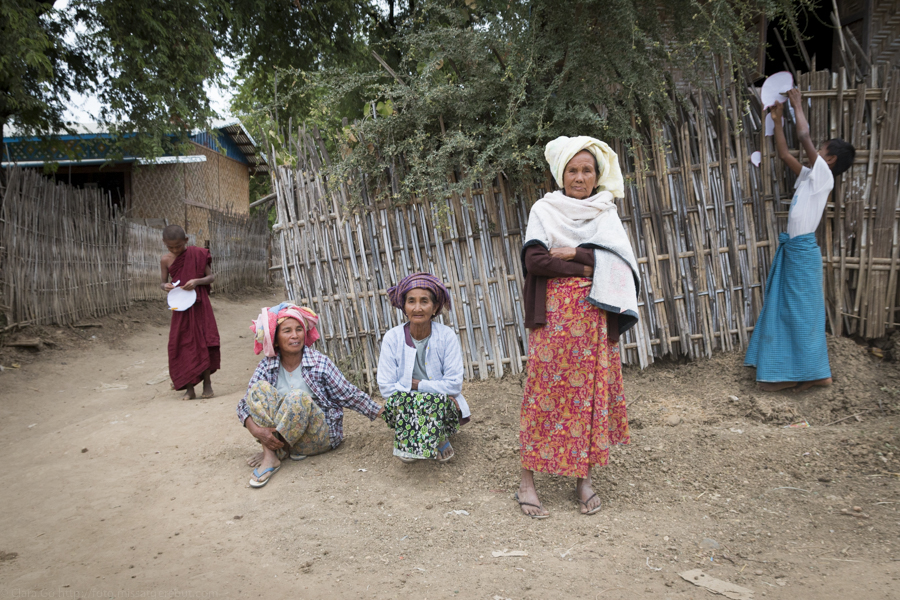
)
(154, 61)
(39, 67)
(148, 64)
(482, 85)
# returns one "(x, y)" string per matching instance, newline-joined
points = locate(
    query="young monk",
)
(788, 346)
(193, 335)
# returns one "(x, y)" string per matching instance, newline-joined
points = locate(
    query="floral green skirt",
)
(420, 422)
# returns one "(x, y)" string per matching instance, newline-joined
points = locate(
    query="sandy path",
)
(159, 502)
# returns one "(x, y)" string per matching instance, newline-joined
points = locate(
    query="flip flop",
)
(267, 473)
(442, 449)
(521, 504)
(297, 456)
(406, 460)
(594, 510)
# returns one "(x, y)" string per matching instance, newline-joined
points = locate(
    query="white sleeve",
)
(821, 179)
(389, 367)
(451, 379)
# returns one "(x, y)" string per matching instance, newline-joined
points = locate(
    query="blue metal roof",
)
(229, 139)
(222, 143)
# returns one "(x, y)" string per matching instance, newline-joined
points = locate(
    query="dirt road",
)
(116, 488)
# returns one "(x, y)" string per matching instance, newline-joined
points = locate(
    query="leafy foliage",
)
(483, 84)
(39, 68)
(147, 63)
(154, 60)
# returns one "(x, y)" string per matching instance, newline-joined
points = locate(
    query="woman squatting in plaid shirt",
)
(294, 405)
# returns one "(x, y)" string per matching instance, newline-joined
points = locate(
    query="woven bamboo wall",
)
(703, 221)
(158, 192)
(185, 193)
(225, 182)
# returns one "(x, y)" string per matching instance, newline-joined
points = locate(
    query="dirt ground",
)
(116, 488)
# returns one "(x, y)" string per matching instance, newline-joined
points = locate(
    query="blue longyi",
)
(788, 342)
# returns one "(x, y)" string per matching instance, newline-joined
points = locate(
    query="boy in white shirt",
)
(788, 346)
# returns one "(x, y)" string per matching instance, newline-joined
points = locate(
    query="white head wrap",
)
(609, 178)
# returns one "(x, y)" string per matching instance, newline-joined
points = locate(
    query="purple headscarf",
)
(424, 281)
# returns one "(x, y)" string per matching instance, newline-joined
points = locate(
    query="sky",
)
(84, 109)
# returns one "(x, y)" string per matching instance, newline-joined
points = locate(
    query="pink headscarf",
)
(269, 319)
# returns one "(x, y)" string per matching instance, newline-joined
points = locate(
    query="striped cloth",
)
(788, 343)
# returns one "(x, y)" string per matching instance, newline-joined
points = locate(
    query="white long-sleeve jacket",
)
(443, 363)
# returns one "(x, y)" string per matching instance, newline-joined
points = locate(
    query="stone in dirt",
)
(673, 420)
(729, 590)
(709, 544)
(505, 553)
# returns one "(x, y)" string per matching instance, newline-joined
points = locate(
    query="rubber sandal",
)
(267, 473)
(297, 456)
(406, 460)
(521, 504)
(594, 510)
(443, 449)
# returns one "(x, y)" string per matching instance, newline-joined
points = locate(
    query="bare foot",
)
(589, 501)
(528, 499)
(256, 460)
(189, 394)
(768, 386)
(207, 385)
(818, 382)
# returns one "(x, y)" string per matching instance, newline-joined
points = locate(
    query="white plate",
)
(770, 125)
(774, 88)
(756, 158)
(181, 299)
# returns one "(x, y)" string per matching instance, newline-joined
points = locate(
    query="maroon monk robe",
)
(193, 336)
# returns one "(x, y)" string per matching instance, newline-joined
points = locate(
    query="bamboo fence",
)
(239, 246)
(145, 249)
(703, 221)
(66, 256)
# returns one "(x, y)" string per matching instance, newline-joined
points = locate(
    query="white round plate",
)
(181, 299)
(774, 88)
(756, 158)
(770, 125)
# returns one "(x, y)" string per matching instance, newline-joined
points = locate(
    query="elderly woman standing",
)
(296, 397)
(581, 290)
(420, 372)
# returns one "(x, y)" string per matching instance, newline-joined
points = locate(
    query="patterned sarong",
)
(420, 422)
(297, 418)
(574, 405)
(788, 342)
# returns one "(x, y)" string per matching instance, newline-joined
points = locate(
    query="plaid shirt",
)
(332, 391)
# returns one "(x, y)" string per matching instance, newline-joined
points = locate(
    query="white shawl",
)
(558, 221)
